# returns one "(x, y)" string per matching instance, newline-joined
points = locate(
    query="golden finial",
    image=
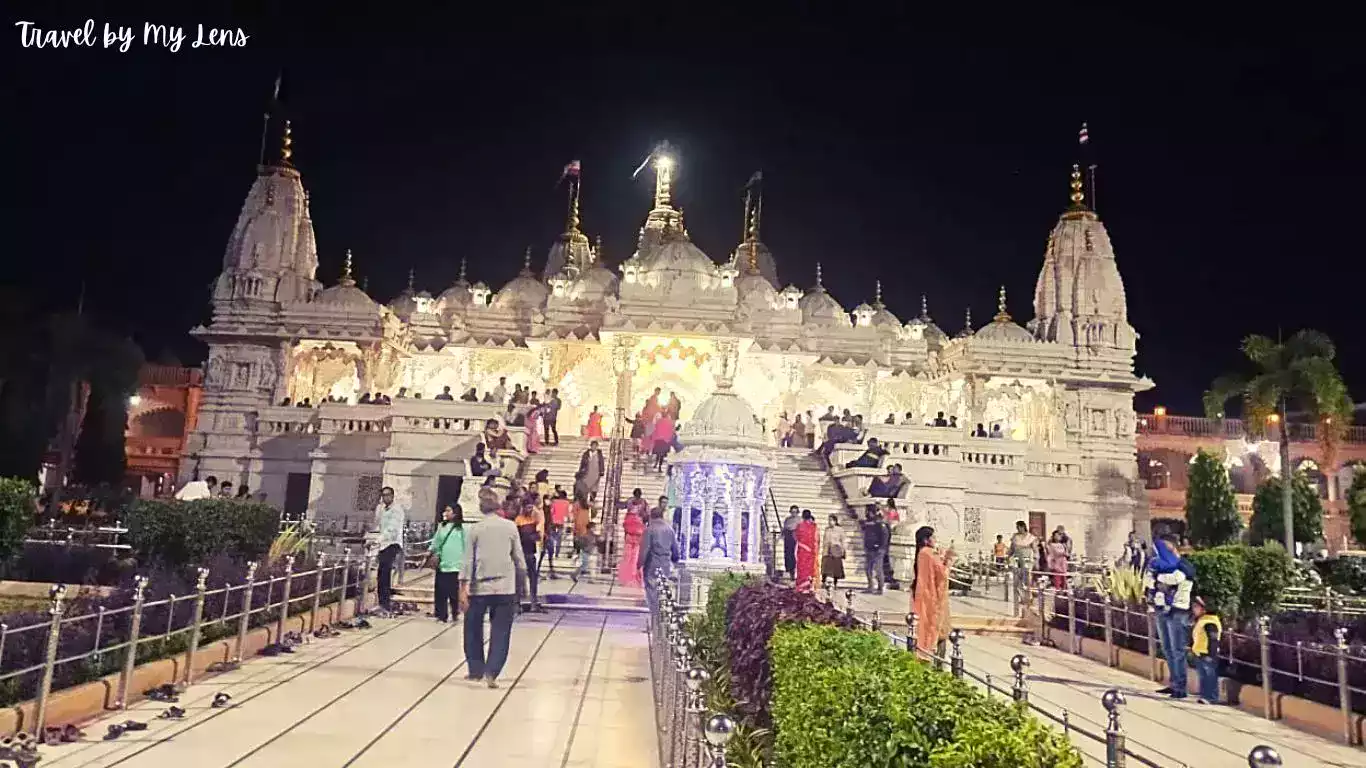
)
(1077, 196)
(877, 294)
(526, 261)
(664, 175)
(572, 224)
(287, 149)
(924, 308)
(967, 320)
(346, 278)
(1002, 316)
(412, 279)
(597, 249)
(819, 286)
(462, 270)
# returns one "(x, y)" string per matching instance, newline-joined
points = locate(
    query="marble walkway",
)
(575, 693)
(1166, 732)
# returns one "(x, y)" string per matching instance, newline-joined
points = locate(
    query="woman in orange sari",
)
(628, 566)
(806, 536)
(594, 428)
(930, 593)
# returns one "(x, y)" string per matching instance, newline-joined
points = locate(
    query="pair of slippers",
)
(324, 632)
(356, 623)
(221, 701)
(118, 729)
(165, 693)
(293, 638)
(66, 734)
(224, 666)
(172, 713)
(275, 649)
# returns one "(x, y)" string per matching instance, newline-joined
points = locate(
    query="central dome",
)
(677, 254)
(723, 420)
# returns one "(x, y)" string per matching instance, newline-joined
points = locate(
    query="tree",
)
(1298, 373)
(1356, 506)
(1211, 510)
(100, 458)
(18, 505)
(1269, 525)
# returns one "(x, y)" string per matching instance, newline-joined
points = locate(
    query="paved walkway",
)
(575, 693)
(1167, 732)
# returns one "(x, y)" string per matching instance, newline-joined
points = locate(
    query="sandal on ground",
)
(114, 732)
(270, 650)
(71, 733)
(224, 666)
(220, 700)
(134, 725)
(172, 713)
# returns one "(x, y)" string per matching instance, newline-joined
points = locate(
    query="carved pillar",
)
(624, 364)
(726, 362)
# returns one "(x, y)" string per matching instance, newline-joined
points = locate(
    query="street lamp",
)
(134, 401)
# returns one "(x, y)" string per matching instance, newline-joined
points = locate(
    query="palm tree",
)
(1298, 372)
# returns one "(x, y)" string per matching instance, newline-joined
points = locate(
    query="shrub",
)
(752, 613)
(1356, 506)
(18, 510)
(1268, 521)
(848, 699)
(709, 627)
(1211, 511)
(1219, 578)
(179, 533)
(1160, 525)
(1125, 585)
(1266, 574)
(1344, 573)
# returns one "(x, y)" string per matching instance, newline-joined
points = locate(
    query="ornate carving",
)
(726, 363)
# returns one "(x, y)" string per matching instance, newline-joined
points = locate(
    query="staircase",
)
(561, 461)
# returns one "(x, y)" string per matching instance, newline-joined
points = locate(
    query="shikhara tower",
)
(668, 316)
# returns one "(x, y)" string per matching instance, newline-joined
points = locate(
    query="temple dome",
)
(454, 298)
(524, 292)
(768, 267)
(883, 318)
(723, 420)
(820, 308)
(404, 305)
(676, 253)
(1004, 330)
(346, 294)
(594, 284)
(757, 293)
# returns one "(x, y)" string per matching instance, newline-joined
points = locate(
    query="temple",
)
(1057, 389)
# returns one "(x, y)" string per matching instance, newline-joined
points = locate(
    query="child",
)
(587, 544)
(1205, 650)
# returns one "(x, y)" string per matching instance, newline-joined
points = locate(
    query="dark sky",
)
(1229, 173)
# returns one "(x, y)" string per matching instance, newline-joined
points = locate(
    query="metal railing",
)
(142, 638)
(1195, 426)
(692, 737)
(1121, 626)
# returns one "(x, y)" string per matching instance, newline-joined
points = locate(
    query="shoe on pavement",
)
(1177, 695)
(1166, 690)
(491, 681)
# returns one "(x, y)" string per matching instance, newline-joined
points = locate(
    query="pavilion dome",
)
(454, 298)
(923, 327)
(346, 294)
(723, 420)
(757, 293)
(1002, 329)
(676, 253)
(594, 284)
(820, 308)
(883, 318)
(404, 305)
(763, 257)
(524, 292)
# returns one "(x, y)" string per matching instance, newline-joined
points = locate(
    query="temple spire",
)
(924, 308)
(572, 222)
(412, 280)
(526, 262)
(877, 295)
(967, 321)
(597, 249)
(819, 286)
(1002, 316)
(664, 175)
(1077, 197)
(462, 270)
(346, 278)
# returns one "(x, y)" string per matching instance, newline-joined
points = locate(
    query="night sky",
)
(1229, 175)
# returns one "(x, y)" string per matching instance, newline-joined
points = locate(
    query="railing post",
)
(877, 621)
(1109, 633)
(697, 679)
(1152, 644)
(99, 633)
(1263, 756)
(1344, 690)
(956, 654)
(849, 602)
(363, 585)
(1073, 640)
(196, 622)
(317, 592)
(1264, 639)
(244, 620)
(345, 576)
(1112, 700)
(910, 632)
(284, 600)
(718, 730)
(1018, 664)
(54, 636)
(1043, 614)
(134, 634)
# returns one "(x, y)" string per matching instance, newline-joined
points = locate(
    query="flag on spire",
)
(571, 169)
(275, 96)
(1083, 136)
(754, 180)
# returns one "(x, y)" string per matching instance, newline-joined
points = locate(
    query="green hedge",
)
(1219, 579)
(180, 533)
(848, 699)
(709, 627)
(18, 510)
(1240, 581)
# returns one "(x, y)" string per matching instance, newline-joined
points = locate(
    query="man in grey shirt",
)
(494, 572)
(658, 551)
(552, 415)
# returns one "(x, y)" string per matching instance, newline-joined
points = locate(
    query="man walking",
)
(552, 414)
(658, 551)
(790, 523)
(495, 573)
(390, 518)
(874, 544)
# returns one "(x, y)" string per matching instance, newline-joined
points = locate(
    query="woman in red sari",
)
(628, 566)
(806, 535)
(930, 593)
(594, 429)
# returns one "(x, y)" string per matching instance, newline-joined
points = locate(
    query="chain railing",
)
(1120, 626)
(295, 593)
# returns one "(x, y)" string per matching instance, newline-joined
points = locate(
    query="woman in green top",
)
(448, 550)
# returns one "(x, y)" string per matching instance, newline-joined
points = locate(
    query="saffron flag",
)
(754, 180)
(1083, 136)
(571, 169)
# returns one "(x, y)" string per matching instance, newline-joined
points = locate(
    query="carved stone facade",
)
(672, 318)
